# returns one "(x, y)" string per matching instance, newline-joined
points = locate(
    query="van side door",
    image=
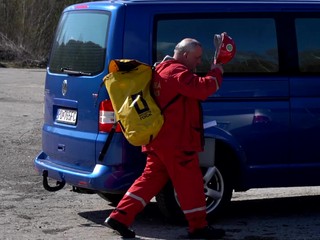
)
(252, 105)
(305, 100)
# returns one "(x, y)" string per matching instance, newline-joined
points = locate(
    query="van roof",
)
(213, 1)
(297, 4)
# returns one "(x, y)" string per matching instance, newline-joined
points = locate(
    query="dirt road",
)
(27, 211)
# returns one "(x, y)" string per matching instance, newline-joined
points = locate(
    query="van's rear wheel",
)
(218, 190)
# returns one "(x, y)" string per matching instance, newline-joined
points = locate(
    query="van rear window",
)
(256, 41)
(80, 42)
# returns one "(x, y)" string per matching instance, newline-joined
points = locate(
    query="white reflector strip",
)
(137, 198)
(194, 210)
(217, 84)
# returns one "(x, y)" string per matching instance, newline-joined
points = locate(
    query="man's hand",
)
(219, 66)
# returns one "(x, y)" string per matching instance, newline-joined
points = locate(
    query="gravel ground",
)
(27, 211)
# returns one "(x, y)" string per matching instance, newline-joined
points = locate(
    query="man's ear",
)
(185, 54)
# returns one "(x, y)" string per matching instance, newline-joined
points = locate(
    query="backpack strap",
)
(107, 142)
(170, 102)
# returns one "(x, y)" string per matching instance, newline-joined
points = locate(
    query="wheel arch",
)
(226, 145)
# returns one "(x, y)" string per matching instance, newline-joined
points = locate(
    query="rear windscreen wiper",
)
(72, 72)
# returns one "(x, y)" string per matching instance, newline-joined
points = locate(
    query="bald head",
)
(188, 52)
(186, 45)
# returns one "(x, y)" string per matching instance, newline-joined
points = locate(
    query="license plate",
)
(66, 116)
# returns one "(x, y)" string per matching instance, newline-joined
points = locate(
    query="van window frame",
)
(102, 64)
(289, 41)
(288, 62)
(220, 15)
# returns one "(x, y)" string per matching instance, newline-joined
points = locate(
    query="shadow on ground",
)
(151, 224)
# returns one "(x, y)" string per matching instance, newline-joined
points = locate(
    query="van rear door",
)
(76, 69)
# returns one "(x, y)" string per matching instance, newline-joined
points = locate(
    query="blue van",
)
(262, 126)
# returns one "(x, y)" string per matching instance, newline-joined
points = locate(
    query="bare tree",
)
(30, 25)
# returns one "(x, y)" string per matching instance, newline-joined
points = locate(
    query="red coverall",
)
(173, 154)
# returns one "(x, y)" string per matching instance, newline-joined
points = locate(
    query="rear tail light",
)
(107, 117)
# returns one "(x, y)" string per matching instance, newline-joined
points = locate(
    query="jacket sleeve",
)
(191, 85)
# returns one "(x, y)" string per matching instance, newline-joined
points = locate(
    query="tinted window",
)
(255, 39)
(80, 42)
(308, 39)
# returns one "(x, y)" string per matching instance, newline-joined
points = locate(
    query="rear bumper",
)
(101, 178)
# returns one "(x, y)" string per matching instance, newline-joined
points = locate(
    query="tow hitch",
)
(59, 185)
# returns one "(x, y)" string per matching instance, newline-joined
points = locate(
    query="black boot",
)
(207, 233)
(122, 229)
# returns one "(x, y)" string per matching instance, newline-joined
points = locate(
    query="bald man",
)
(173, 154)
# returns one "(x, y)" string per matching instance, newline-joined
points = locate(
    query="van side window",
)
(255, 38)
(308, 40)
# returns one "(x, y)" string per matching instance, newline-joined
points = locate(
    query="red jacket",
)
(183, 125)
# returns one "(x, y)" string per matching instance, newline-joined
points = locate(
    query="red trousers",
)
(183, 170)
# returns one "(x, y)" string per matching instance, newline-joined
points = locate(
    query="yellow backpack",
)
(128, 86)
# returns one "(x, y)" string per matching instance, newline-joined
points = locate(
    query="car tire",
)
(218, 190)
